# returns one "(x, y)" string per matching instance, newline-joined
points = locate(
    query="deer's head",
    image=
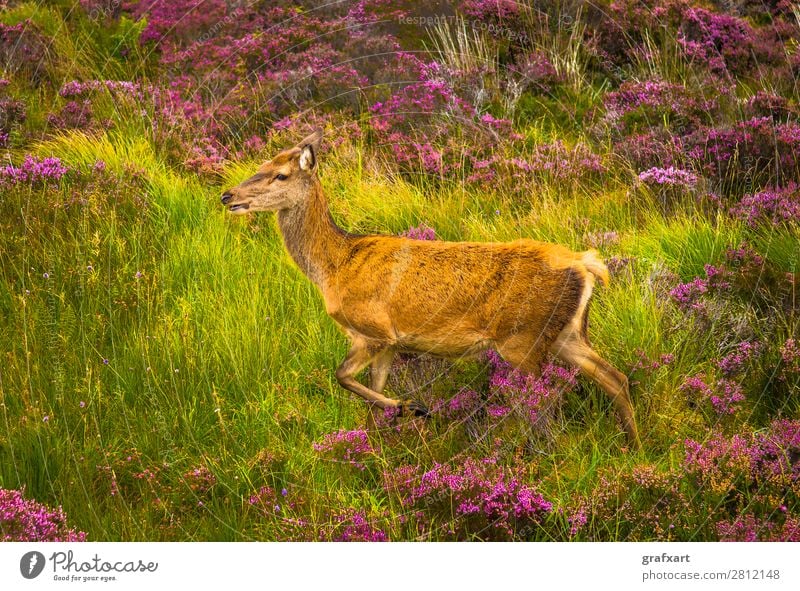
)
(280, 183)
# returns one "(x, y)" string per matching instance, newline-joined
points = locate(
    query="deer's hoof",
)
(414, 409)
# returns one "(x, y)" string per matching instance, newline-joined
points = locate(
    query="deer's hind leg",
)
(574, 348)
(362, 353)
(524, 351)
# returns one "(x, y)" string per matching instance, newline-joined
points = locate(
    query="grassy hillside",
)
(167, 373)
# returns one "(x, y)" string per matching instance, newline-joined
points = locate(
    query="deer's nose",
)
(226, 197)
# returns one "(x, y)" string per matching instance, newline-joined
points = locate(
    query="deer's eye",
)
(281, 177)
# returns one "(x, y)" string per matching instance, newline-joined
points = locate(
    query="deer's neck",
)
(311, 236)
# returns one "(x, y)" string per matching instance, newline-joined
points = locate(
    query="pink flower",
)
(26, 520)
(349, 447)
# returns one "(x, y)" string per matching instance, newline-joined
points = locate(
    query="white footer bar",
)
(383, 567)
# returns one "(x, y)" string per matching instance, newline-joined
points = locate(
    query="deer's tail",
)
(595, 265)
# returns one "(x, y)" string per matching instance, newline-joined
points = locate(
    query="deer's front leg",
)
(379, 371)
(361, 354)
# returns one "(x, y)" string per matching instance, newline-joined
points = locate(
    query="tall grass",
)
(145, 323)
(221, 351)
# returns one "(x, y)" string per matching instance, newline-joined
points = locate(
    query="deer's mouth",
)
(238, 207)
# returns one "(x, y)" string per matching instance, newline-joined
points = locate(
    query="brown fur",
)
(389, 294)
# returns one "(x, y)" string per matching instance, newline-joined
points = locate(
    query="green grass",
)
(173, 333)
(221, 351)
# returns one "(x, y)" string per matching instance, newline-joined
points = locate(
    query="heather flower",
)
(558, 162)
(536, 72)
(478, 497)
(354, 526)
(263, 492)
(697, 384)
(177, 19)
(497, 410)
(73, 115)
(728, 395)
(632, 95)
(718, 462)
(421, 232)
(790, 356)
(577, 521)
(421, 121)
(767, 104)
(486, 9)
(465, 403)
(724, 395)
(23, 48)
(688, 295)
(749, 528)
(734, 362)
(640, 106)
(200, 480)
(652, 364)
(756, 8)
(230, 80)
(774, 207)
(651, 500)
(533, 396)
(717, 277)
(726, 44)
(349, 447)
(657, 147)
(33, 170)
(12, 112)
(254, 145)
(777, 450)
(78, 89)
(671, 176)
(744, 259)
(206, 157)
(769, 459)
(722, 478)
(425, 97)
(129, 476)
(26, 520)
(749, 149)
(483, 170)
(616, 264)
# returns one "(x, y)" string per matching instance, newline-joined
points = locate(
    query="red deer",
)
(393, 294)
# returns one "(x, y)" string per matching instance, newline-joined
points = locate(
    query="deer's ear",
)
(315, 139)
(308, 159)
(309, 148)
